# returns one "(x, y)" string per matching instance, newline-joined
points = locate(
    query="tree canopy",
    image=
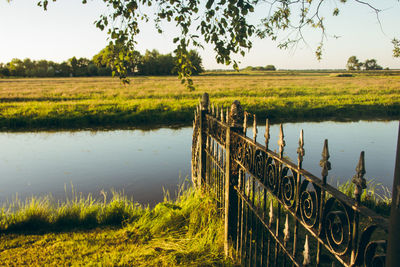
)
(354, 64)
(225, 24)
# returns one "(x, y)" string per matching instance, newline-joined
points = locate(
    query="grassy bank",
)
(187, 231)
(118, 232)
(282, 96)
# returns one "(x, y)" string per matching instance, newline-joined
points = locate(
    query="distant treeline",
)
(260, 68)
(151, 63)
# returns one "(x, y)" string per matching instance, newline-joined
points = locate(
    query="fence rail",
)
(276, 213)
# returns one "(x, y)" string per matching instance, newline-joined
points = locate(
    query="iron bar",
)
(393, 250)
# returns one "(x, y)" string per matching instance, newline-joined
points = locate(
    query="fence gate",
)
(276, 213)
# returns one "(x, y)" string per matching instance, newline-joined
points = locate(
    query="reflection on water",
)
(142, 163)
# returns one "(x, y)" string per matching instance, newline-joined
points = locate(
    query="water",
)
(144, 163)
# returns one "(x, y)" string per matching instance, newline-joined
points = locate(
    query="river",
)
(144, 163)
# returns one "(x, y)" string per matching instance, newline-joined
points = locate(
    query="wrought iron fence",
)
(276, 213)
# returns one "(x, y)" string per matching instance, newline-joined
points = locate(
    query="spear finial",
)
(300, 150)
(255, 131)
(222, 114)
(281, 141)
(227, 116)
(213, 109)
(359, 179)
(325, 163)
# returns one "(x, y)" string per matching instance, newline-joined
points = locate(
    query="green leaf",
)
(336, 11)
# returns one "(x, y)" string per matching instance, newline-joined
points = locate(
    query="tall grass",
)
(186, 231)
(45, 214)
(376, 196)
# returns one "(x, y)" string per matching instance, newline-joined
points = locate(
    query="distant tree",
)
(29, 67)
(197, 62)
(63, 70)
(260, 68)
(270, 67)
(353, 63)
(16, 67)
(106, 58)
(154, 63)
(4, 72)
(92, 69)
(51, 72)
(370, 64)
(149, 62)
(73, 63)
(82, 67)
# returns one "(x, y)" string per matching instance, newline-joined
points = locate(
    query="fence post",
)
(234, 124)
(202, 139)
(393, 250)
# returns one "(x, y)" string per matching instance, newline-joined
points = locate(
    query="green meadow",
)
(146, 101)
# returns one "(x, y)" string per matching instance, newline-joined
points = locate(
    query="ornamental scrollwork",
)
(308, 200)
(288, 187)
(337, 224)
(272, 175)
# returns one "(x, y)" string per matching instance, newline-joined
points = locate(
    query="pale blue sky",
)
(67, 30)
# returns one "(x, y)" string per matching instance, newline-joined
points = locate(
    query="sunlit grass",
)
(118, 232)
(81, 231)
(82, 102)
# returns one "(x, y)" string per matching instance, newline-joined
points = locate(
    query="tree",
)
(370, 64)
(16, 67)
(196, 62)
(118, 59)
(4, 72)
(353, 63)
(270, 67)
(73, 63)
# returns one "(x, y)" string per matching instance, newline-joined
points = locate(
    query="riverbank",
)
(73, 103)
(187, 231)
(118, 232)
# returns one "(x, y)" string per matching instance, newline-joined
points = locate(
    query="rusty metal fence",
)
(276, 213)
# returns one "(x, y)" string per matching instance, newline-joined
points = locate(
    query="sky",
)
(67, 30)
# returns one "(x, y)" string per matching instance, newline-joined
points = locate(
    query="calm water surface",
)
(143, 163)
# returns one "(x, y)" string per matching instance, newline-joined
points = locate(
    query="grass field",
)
(281, 96)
